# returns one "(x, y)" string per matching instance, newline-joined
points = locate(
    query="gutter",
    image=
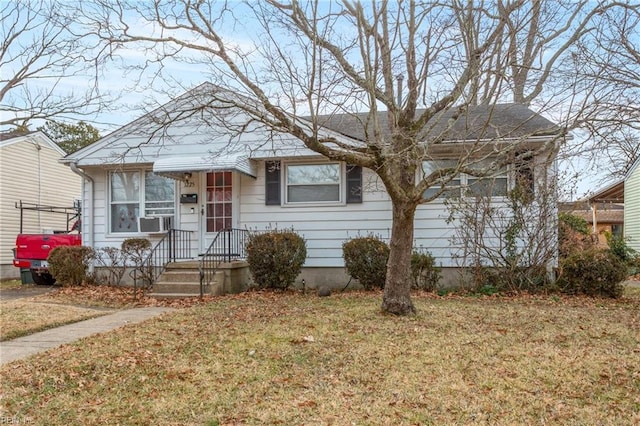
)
(87, 210)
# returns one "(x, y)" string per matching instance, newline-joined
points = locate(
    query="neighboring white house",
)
(205, 179)
(30, 172)
(632, 206)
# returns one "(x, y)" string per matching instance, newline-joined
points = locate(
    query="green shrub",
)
(69, 264)
(366, 260)
(488, 290)
(575, 223)
(594, 272)
(275, 258)
(424, 271)
(619, 248)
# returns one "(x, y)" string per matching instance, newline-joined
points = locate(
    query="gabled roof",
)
(194, 130)
(612, 193)
(36, 136)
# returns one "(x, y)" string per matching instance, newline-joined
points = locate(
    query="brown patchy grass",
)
(115, 297)
(27, 316)
(67, 305)
(10, 284)
(266, 358)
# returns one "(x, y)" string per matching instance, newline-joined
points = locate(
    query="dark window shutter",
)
(525, 177)
(272, 183)
(354, 184)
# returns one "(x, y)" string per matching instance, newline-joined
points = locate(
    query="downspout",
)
(87, 211)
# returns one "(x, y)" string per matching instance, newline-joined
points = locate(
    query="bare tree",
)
(611, 115)
(319, 59)
(47, 70)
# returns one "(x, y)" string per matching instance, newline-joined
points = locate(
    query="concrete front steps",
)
(182, 279)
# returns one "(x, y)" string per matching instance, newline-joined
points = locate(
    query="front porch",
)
(183, 279)
(173, 272)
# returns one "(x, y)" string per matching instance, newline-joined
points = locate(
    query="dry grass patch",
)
(115, 297)
(10, 284)
(66, 305)
(266, 358)
(26, 316)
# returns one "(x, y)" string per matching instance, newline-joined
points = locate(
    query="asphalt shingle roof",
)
(479, 122)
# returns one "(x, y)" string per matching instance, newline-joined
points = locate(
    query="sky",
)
(134, 97)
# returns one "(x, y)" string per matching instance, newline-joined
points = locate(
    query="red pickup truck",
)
(32, 251)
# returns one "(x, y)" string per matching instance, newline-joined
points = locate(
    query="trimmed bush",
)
(135, 249)
(424, 271)
(593, 272)
(366, 260)
(69, 264)
(275, 258)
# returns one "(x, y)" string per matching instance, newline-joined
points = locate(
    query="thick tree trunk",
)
(397, 288)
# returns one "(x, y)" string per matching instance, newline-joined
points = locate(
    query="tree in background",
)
(319, 59)
(611, 115)
(71, 137)
(48, 70)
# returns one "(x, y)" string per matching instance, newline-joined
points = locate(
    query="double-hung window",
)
(494, 185)
(313, 183)
(134, 192)
(446, 181)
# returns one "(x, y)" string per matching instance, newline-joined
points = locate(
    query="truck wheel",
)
(42, 278)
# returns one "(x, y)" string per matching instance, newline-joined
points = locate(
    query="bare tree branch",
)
(48, 72)
(299, 65)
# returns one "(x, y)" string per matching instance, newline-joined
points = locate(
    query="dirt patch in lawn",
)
(287, 358)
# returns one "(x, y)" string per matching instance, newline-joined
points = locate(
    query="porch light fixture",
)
(187, 176)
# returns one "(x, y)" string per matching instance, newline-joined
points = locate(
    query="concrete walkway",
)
(23, 347)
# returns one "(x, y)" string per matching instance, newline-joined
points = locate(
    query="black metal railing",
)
(228, 245)
(174, 245)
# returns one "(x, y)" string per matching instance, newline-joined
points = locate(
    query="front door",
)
(218, 207)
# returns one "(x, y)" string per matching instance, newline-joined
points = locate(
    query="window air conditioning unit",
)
(150, 225)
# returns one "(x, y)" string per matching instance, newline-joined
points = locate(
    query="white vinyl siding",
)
(325, 225)
(326, 228)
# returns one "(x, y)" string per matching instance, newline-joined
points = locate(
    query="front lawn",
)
(27, 316)
(268, 358)
(67, 305)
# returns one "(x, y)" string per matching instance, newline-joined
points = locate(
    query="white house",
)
(203, 177)
(632, 206)
(30, 172)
